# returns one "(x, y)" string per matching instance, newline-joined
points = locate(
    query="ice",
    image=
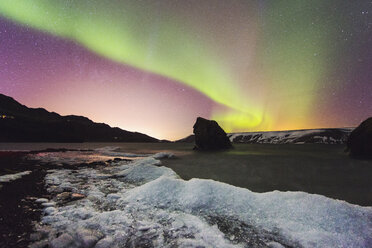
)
(311, 220)
(105, 243)
(161, 155)
(63, 241)
(115, 152)
(48, 204)
(274, 245)
(49, 210)
(141, 204)
(11, 177)
(145, 170)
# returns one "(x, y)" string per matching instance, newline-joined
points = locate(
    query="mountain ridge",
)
(19, 123)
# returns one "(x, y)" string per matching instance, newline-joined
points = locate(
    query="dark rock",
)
(65, 197)
(360, 140)
(76, 196)
(210, 136)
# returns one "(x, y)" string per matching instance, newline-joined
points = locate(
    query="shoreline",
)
(18, 210)
(22, 213)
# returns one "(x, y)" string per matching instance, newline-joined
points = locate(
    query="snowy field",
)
(319, 136)
(140, 203)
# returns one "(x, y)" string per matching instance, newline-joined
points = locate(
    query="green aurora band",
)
(132, 33)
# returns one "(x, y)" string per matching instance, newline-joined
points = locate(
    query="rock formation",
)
(210, 136)
(360, 140)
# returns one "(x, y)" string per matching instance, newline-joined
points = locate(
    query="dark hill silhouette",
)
(19, 123)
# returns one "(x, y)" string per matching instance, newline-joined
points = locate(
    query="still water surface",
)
(312, 168)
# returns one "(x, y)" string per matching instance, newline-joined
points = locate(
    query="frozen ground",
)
(139, 203)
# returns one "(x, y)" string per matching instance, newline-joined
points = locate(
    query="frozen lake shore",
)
(95, 200)
(141, 203)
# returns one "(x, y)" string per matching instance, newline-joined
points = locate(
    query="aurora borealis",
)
(154, 66)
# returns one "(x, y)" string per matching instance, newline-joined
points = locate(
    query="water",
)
(312, 168)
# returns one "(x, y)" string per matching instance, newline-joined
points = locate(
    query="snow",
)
(41, 200)
(48, 204)
(297, 136)
(141, 203)
(11, 177)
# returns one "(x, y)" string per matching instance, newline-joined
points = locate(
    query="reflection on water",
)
(74, 157)
(312, 168)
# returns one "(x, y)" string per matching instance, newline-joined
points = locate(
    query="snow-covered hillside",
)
(322, 136)
(142, 204)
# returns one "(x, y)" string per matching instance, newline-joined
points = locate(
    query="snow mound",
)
(142, 204)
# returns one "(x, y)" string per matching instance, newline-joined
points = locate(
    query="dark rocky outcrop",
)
(359, 143)
(19, 123)
(210, 136)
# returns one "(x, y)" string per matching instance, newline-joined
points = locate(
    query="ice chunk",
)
(161, 155)
(48, 204)
(63, 241)
(49, 210)
(115, 152)
(105, 243)
(146, 170)
(274, 245)
(41, 200)
(87, 238)
(310, 220)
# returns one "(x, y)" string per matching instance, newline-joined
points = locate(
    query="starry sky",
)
(154, 66)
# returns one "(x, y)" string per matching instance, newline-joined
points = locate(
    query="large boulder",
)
(360, 140)
(210, 136)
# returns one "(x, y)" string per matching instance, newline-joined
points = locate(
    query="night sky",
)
(154, 66)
